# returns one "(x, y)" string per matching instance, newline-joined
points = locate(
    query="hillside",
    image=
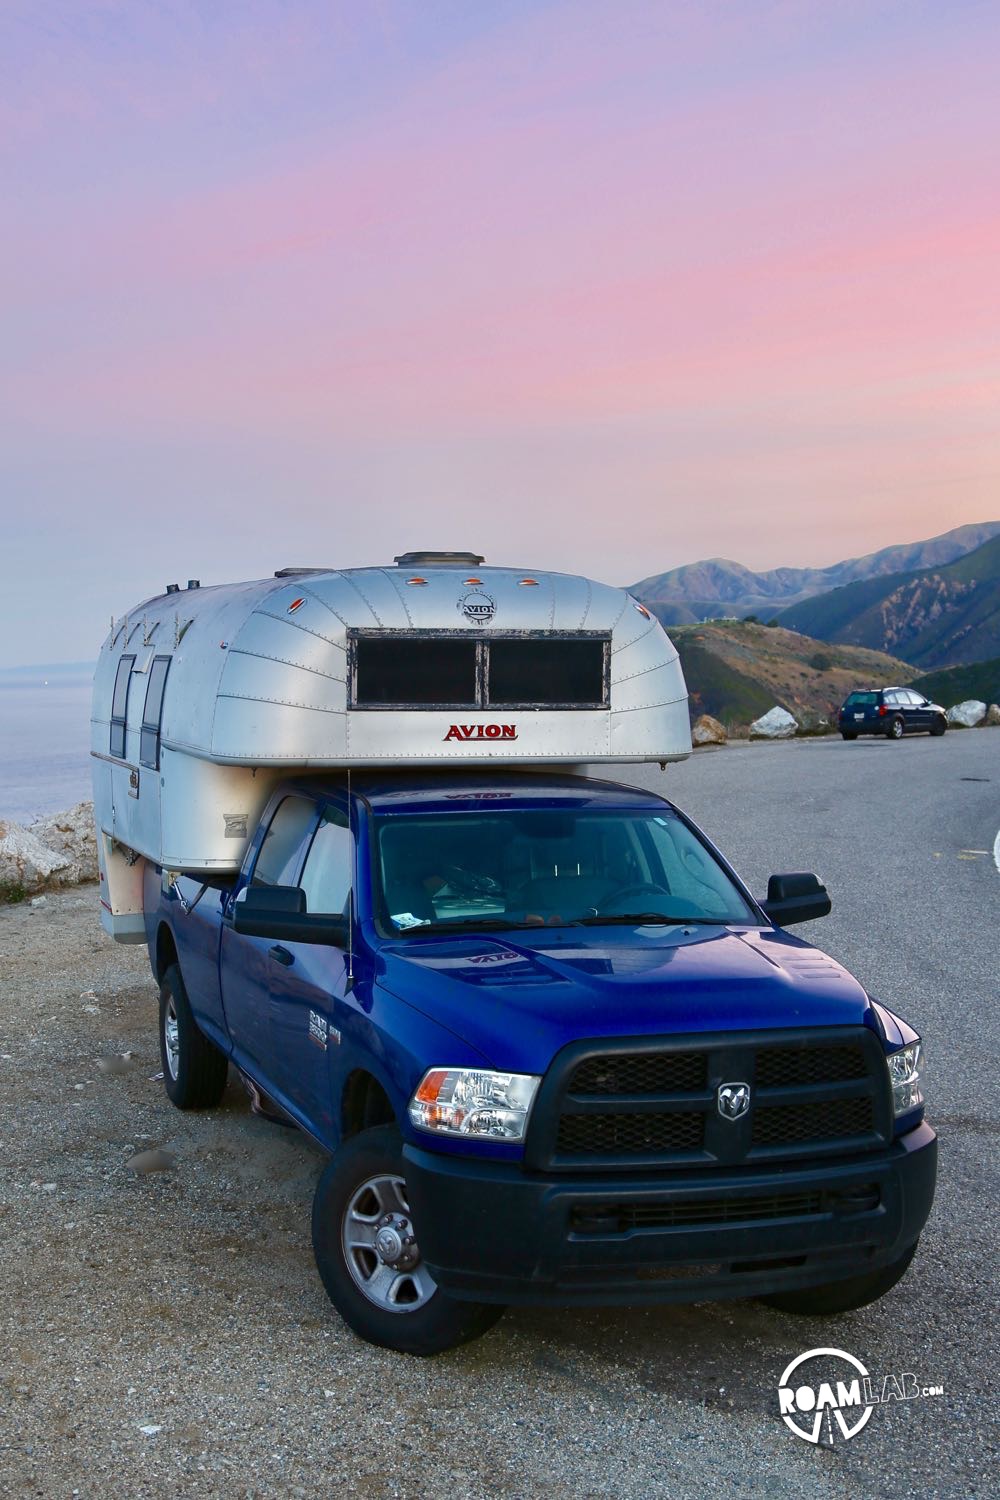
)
(705, 590)
(954, 684)
(737, 670)
(936, 617)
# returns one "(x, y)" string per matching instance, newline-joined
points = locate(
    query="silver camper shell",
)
(205, 697)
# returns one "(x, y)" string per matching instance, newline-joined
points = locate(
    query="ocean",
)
(44, 740)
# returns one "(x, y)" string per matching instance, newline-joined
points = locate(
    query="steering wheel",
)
(627, 892)
(471, 883)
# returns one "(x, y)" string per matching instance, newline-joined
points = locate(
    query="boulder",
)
(967, 715)
(71, 834)
(811, 722)
(708, 731)
(992, 714)
(59, 850)
(25, 861)
(776, 724)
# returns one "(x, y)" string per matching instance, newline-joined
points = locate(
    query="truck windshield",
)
(526, 869)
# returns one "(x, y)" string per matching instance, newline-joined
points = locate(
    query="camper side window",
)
(280, 856)
(119, 706)
(326, 878)
(152, 714)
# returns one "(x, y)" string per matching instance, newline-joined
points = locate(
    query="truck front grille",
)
(655, 1102)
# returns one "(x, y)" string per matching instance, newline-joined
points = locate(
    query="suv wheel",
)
(895, 730)
(194, 1070)
(843, 1296)
(368, 1253)
(939, 725)
(848, 734)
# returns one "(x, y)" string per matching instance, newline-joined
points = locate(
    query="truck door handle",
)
(281, 955)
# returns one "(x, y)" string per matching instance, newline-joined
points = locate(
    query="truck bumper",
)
(492, 1233)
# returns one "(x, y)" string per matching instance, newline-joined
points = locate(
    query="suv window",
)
(326, 878)
(857, 700)
(280, 854)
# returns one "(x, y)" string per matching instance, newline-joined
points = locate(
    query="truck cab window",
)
(280, 857)
(327, 876)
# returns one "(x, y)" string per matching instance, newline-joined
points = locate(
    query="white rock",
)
(71, 834)
(968, 714)
(150, 1429)
(708, 731)
(993, 714)
(38, 900)
(61, 850)
(776, 724)
(24, 859)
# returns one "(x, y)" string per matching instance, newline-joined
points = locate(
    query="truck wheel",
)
(368, 1255)
(895, 730)
(194, 1070)
(843, 1296)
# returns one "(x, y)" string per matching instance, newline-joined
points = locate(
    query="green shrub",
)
(820, 662)
(11, 892)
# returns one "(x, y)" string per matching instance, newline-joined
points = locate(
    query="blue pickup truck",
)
(556, 1050)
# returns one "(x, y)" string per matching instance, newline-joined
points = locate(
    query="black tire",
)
(843, 1296)
(194, 1070)
(413, 1315)
(939, 726)
(896, 729)
(847, 734)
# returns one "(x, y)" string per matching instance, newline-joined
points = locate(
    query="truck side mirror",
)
(795, 898)
(279, 911)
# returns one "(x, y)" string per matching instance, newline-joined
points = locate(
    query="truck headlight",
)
(471, 1102)
(906, 1069)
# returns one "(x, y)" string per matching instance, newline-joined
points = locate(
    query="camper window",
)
(119, 706)
(415, 673)
(152, 714)
(403, 669)
(548, 671)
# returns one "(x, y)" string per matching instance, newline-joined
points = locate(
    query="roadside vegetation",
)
(738, 669)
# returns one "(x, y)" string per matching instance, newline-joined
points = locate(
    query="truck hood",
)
(519, 997)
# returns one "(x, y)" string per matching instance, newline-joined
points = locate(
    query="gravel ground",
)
(166, 1333)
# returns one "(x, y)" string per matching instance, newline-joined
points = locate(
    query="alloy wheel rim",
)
(171, 1038)
(380, 1247)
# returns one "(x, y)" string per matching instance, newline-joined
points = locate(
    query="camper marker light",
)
(906, 1069)
(472, 1102)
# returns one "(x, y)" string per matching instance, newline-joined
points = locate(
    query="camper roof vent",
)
(438, 560)
(298, 572)
(173, 588)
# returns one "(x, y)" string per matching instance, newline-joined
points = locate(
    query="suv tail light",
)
(881, 710)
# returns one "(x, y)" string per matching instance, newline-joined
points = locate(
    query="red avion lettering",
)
(482, 732)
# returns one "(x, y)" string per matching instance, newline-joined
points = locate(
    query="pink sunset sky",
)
(605, 287)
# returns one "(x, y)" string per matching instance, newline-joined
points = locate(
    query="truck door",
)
(309, 1006)
(251, 967)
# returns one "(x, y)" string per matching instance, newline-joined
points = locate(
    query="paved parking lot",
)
(167, 1333)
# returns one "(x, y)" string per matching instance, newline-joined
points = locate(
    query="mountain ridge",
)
(933, 617)
(717, 586)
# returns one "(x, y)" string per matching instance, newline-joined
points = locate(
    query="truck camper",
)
(556, 1050)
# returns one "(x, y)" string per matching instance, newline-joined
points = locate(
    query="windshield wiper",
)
(649, 919)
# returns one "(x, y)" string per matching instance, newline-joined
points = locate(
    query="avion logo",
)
(482, 732)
